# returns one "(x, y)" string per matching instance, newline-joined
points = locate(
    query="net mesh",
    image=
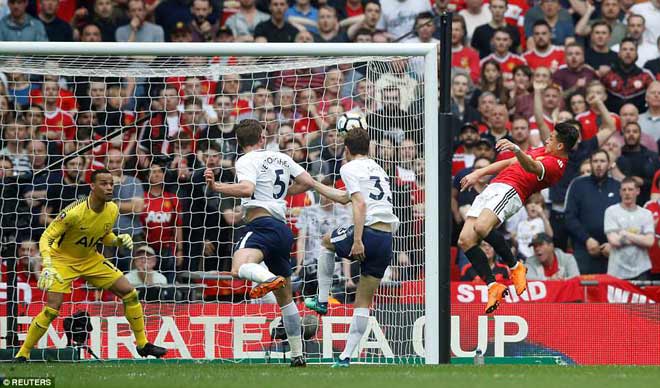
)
(176, 117)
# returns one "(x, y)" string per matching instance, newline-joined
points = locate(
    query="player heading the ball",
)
(263, 182)
(368, 240)
(68, 249)
(517, 178)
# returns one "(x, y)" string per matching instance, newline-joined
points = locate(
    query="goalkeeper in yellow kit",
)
(68, 250)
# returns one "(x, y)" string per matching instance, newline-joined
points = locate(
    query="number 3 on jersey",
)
(381, 192)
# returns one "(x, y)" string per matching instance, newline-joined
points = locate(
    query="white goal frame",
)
(431, 136)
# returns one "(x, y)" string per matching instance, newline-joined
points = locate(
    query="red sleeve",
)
(554, 168)
(654, 186)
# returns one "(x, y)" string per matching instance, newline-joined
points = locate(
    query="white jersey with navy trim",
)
(270, 172)
(369, 178)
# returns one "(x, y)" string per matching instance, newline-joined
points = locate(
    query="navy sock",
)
(480, 262)
(499, 244)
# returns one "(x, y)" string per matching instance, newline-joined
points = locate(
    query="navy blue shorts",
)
(377, 248)
(274, 239)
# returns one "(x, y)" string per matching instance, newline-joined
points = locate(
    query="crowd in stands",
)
(518, 67)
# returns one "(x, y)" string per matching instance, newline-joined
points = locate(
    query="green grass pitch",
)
(146, 375)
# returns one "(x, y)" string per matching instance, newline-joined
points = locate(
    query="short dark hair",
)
(629, 179)
(95, 173)
(600, 151)
(423, 15)
(376, 2)
(248, 132)
(568, 132)
(541, 22)
(628, 39)
(5, 158)
(601, 23)
(504, 30)
(357, 141)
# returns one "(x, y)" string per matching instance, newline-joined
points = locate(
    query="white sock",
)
(326, 268)
(356, 331)
(254, 272)
(291, 319)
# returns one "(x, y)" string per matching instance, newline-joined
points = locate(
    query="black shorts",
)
(377, 248)
(274, 239)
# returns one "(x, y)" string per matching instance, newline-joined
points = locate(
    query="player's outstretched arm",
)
(301, 183)
(243, 189)
(526, 161)
(331, 193)
(470, 179)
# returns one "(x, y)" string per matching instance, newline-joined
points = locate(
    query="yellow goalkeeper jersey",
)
(77, 230)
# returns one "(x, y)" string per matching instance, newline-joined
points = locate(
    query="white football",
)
(350, 120)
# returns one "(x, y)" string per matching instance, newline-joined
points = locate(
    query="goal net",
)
(157, 122)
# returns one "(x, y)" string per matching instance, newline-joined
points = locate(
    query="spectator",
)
(520, 135)
(391, 120)
(649, 121)
(576, 103)
(67, 187)
(626, 82)
(463, 155)
(424, 31)
(144, 273)
(128, 194)
(548, 262)
(463, 56)
(563, 30)
(536, 222)
(482, 39)
(502, 55)
(347, 10)
(164, 124)
(654, 65)
(590, 119)
(462, 111)
(328, 27)
(598, 54)
(138, 29)
(212, 217)
(303, 14)
(182, 33)
(57, 29)
(398, 16)
(498, 121)
(630, 114)
(630, 232)
(654, 252)
(162, 220)
(586, 201)
(544, 53)
(575, 158)
(521, 100)
(276, 29)
(246, 19)
(202, 28)
(369, 21)
(105, 16)
(610, 12)
(637, 162)
(500, 270)
(91, 33)
(19, 26)
(491, 82)
(313, 223)
(651, 11)
(476, 14)
(13, 139)
(550, 98)
(575, 74)
(635, 29)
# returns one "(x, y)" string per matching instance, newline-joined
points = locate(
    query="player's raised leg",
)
(517, 268)
(39, 325)
(473, 232)
(246, 264)
(325, 270)
(135, 317)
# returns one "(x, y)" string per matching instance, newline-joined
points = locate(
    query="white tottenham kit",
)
(270, 172)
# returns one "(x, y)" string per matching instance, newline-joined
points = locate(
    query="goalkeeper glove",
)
(124, 240)
(48, 276)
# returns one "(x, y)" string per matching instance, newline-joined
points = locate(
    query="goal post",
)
(66, 64)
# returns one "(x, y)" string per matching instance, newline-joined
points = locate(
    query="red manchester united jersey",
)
(525, 183)
(591, 121)
(160, 218)
(507, 63)
(654, 251)
(551, 59)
